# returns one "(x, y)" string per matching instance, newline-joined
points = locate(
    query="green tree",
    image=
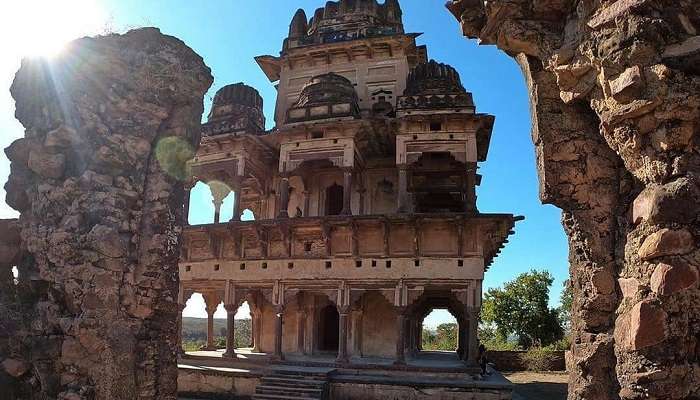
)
(521, 308)
(567, 300)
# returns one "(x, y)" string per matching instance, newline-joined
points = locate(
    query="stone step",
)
(293, 381)
(282, 397)
(287, 389)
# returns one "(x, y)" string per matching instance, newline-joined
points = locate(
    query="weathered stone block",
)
(641, 327)
(670, 279)
(626, 83)
(666, 242)
(629, 287)
(15, 368)
(46, 164)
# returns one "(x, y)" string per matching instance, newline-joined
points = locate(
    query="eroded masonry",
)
(615, 98)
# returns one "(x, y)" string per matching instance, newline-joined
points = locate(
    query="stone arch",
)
(614, 152)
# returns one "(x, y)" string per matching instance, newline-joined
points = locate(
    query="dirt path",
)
(539, 386)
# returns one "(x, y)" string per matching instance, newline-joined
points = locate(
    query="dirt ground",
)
(539, 386)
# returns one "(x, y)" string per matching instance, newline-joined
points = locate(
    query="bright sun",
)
(44, 27)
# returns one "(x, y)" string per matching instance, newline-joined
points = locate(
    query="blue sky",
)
(228, 34)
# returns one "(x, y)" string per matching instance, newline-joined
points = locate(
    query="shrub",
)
(540, 359)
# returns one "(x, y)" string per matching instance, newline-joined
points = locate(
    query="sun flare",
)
(44, 27)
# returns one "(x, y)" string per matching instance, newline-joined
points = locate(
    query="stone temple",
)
(365, 216)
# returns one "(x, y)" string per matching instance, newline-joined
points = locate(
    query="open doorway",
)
(439, 331)
(328, 329)
(334, 199)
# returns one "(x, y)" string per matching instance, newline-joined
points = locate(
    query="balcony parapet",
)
(444, 235)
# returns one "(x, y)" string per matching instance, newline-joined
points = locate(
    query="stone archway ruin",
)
(101, 200)
(615, 98)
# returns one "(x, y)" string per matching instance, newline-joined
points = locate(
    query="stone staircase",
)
(293, 383)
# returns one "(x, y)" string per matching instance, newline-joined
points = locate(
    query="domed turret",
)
(299, 26)
(235, 108)
(330, 95)
(433, 78)
(434, 85)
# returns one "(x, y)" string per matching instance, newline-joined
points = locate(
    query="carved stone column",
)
(219, 193)
(347, 192)
(307, 203)
(279, 315)
(343, 335)
(301, 330)
(236, 203)
(231, 310)
(472, 343)
(211, 301)
(401, 338)
(257, 331)
(403, 189)
(284, 198)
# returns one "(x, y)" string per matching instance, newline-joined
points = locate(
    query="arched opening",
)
(328, 329)
(243, 333)
(439, 331)
(248, 215)
(195, 325)
(334, 199)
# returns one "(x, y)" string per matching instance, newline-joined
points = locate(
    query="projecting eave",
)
(483, 135)
(271, 66)
(501, 227)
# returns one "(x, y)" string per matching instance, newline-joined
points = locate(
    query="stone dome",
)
(325, 96)
(433, 78)
(327, 89)
(236, 107)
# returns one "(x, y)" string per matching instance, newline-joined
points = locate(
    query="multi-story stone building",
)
(363, 196)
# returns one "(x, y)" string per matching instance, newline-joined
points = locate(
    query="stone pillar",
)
(307, 203)
(401, 338)
(212, 302)
(219, 192)
(231, 310)
(236, 204)
(403, 189)
(257, 331)
(343, 335)
(301, 330)
(470, 188)
(472, 343)
(356, 332)
(347, 192)
(279, 316)
(284, 198)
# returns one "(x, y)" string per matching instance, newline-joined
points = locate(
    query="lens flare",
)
(174, 155)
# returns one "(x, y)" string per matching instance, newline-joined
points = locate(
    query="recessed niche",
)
(388, 263)
(358, 263)
(242, 266)
(217, 267)
(290, 265)
(264, 265)
(460, 263)
(329, 265)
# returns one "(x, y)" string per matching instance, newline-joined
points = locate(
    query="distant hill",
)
(195, 330)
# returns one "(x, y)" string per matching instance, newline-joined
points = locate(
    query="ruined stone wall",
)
(98, 182)
(615, 98)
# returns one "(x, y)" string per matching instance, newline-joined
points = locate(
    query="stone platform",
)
(432, 376)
